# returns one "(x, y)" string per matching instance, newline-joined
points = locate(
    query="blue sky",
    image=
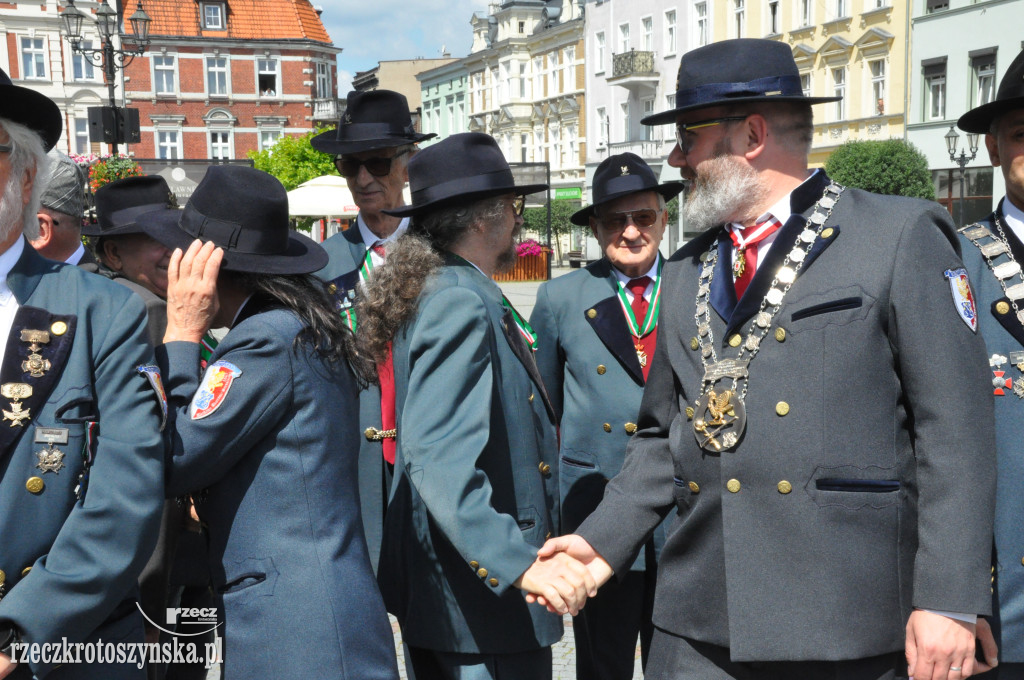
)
(380, 30)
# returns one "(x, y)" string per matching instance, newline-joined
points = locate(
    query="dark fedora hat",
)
(1009, 96)
(119, 204)
(461, 168)
(35, 111)
(733, 72)
(245, 212)
(378, 119)
(621, 175)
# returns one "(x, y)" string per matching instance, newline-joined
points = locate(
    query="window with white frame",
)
(569, 66)
(599, 51)
(648, 27)
(553, 88)
(33, 58)
(670, 101)
(804, 19)
(555, 136)
(805, 84)
(538, 78)
(504, 84)
(936, 6)
(476, 91)
(623, 38)
(213, 16)
(983, 75)
(538, 152)
(324, 86)
(81, 65)
(624, 113)
(935, 89)
(839, 90)
(647, 105)
(220, 144)
(878, 86)
(460, 115)
(82, 136)
(570, 146)
(739, 17)
(269, 137)
(670, 32)
(700, 23)
(773, 17)
(601, 118)
(217, 76)
(164, 74)
(841, 9)
(877, 4)
(266, 77)
(168, 144)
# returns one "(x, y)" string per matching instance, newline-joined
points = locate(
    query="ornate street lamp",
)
(962, 160)
(106, 56)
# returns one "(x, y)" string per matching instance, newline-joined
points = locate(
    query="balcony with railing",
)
(645, 148)
(326, 109)
(634, 68)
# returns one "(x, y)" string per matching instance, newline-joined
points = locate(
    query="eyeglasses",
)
(378, 166)
(519, 205)
(7, 148)
(617, 221)
(685, 137)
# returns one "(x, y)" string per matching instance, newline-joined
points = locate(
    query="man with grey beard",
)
(818, 413)
(81, 484)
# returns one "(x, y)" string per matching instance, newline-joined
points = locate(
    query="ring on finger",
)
(956, 668)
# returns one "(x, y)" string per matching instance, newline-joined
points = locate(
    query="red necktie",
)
(640, 305)
(745, 240)
(386, 375)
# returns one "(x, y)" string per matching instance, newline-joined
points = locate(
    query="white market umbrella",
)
(326, 196)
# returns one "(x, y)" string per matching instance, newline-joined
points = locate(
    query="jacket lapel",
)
(723, 291)
(525, 356)
(37, 349)
(610, 326)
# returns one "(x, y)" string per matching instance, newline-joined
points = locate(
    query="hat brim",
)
(34, 110)
(327, 142)
(302, 256)
(668, 190)
(666, 117)
(979, 120)
(469, 197)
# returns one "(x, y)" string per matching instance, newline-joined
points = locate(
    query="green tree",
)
(536, 220)
(891, 166)
(293, 160)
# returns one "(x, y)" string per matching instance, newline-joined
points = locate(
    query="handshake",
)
(567, 571)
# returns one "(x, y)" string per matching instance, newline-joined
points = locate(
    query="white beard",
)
(725, 190)
(12, 215)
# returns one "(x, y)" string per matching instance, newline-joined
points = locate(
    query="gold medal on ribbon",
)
(16, 392)
(35, 365)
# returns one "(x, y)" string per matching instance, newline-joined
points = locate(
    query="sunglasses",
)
(378, 166)
(685, 137)
(519, 205)
(617, 221)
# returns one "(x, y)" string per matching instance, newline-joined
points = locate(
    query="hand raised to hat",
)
(192, 300)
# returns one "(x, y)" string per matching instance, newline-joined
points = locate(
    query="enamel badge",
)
(963, 297)
(216, 383)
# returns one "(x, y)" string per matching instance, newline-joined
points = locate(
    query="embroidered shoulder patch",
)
(213, 388)
(963, 296)
(152, 374)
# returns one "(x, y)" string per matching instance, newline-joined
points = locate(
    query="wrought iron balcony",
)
(633, 63)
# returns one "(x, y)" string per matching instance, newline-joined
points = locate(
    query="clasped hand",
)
(567, 571)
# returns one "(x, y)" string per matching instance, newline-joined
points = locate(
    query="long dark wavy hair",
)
(323, 330)
(390, 297)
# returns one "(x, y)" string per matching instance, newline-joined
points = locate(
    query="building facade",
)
(225, 77)
(443, 94)
(35, 55)
(399, 75)
(960, 52)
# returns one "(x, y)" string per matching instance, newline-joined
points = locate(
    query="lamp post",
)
(962, 160)
(106, 56)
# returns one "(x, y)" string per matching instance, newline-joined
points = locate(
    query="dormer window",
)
(213, 16)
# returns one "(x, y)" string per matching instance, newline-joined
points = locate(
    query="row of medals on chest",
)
(50, 458)
(999, 245)
(719, 415)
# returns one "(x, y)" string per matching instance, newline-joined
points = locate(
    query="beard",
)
(12, 211)
(725, 190)
(507, 258)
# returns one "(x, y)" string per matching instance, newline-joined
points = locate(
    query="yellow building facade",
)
(857, 49)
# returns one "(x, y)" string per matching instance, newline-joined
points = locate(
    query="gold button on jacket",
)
(785, 487)
(474, 564)
(493, 582)
(481, 572)
(733, 485)
(630, 428)
(782, 408)
(1002, 307)
(544, 468)
(601, 369)
(694, 487)
(607, 427)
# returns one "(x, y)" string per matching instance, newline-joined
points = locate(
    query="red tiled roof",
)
(246, 19)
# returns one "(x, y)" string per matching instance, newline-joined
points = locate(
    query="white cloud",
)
(344, 82)
(383, 30)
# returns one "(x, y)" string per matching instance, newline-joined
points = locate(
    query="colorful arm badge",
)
(213, 388)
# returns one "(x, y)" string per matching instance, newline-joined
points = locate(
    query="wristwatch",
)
(8, 638)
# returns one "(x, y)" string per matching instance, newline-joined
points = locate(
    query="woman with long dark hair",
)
(266, 440)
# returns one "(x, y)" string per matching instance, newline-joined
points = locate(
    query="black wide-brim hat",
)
(736, 71)
(1010, 96)
(378, 119)
(35, 111)
(120, 203)
(462, 168)
(621, 175)
(245, 212)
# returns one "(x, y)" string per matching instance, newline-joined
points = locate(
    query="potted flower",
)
(109, 168)
(531, 263)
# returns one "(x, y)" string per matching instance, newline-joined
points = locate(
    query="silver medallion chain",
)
(999, 245)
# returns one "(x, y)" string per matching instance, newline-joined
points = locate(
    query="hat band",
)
(366, 132)
(231, 235)
(625, 184)
(773, 86)
(127, 216)
(498, 180)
